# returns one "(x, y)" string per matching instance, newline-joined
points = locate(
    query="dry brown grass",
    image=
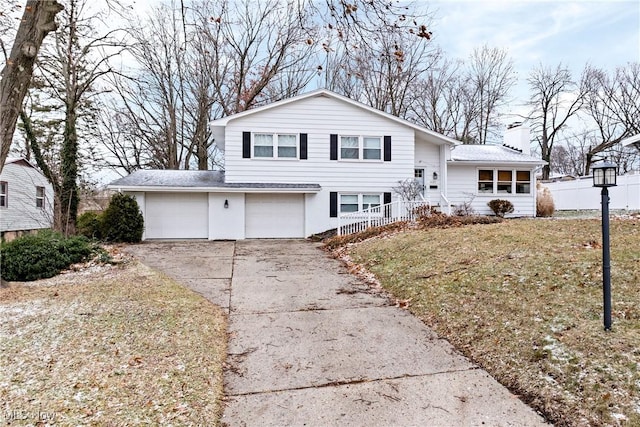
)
(123, 346)
(523, 299)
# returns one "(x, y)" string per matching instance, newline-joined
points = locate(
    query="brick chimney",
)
(517, 136)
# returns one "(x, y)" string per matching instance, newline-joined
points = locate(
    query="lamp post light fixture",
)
(604, 176)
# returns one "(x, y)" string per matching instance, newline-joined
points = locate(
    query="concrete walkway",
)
(311, 345)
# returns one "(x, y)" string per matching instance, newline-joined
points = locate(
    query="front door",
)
(418, 174)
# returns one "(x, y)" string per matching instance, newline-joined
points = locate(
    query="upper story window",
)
(275, 146)
(504, 181)
(4, 194)
(360, 148)
(40, 197)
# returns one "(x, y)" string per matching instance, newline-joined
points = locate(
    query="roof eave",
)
(174, 189)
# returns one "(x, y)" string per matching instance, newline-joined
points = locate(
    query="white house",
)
(292, 168)
(26, 199)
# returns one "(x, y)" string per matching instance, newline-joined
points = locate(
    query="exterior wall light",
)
(435, 176)
(604, 176)
(226, 204)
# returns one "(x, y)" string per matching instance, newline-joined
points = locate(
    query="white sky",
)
(603, 33)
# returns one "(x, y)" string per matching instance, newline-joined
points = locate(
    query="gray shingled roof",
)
(490, 153)
(192, 179)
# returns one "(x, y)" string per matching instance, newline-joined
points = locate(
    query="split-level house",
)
(300, 166)
(26, 199)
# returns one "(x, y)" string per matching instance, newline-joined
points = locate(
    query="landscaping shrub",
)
(463, 209)
(440, 220)
(89, 224)
(500, 207)
(42, 255)
(122, 221)
(544, 203)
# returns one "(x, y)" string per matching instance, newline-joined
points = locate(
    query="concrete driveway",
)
(312, 345)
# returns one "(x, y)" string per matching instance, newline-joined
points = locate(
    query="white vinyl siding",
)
(21, 198)
(463, 181)
(320, 117)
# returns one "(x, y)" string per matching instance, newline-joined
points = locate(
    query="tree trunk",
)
(69, 169)
(37, 22)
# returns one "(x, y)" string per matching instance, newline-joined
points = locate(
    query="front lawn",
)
(113, 346)
(523, 299)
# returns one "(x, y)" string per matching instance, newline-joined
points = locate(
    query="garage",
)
(274, 215)
(176, 216)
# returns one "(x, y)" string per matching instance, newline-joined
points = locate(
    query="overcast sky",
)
(602, 33)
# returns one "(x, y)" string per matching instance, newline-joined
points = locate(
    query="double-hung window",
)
(350, 147)
(485, 181)
(40, 197)
(371, 148)
(278, 146)
(504, 181)
(358, 202)
(360, 148)
(523, 182)
(4, 194)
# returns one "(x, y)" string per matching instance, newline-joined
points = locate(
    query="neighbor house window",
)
(523, 182)
(358, 202)
(503, 181)
(485, 181)
(360, 148)
(270, 146)
(4, 194)
(40, 197)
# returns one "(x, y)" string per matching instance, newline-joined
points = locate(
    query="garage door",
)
(274, 215)
(176, 216)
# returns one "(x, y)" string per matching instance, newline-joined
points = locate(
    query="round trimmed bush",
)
(501, 207)
(42, 255)
(122, 221)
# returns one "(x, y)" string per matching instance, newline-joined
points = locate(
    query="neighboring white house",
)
(292, 168)
(26, 199)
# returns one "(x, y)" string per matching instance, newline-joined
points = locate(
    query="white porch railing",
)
(444, 202)
(356, 222)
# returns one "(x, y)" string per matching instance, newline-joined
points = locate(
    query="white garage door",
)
(274, 215)
(176, 216)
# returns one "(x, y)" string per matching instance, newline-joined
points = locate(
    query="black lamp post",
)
(604, 176)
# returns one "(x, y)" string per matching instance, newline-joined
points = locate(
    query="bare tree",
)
(613, 103)
(490, 77)
(555, 98)
(69, 69)
(444, 101)
(37, 21)
(386, 72)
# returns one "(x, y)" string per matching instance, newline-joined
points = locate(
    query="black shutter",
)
(246, 145)
(333, 149)
(386, 198)
(387, 148)
(303, 146)
(333, 204)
